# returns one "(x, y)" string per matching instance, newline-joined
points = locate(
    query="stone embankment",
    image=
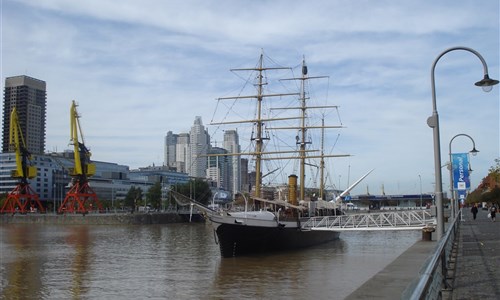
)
(97, 218)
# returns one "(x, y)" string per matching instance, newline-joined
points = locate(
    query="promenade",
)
(478, 261)
(477, 273)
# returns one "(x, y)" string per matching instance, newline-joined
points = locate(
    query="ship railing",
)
(393, 220)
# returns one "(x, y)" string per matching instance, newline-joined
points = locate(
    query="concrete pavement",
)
(477, 274)
(391, 282)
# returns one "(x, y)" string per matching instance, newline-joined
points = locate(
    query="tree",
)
(196, 189)
(489, 188)
(133, 196)
(495, 172)
(474, 197)
(492, 196)
(154, 195)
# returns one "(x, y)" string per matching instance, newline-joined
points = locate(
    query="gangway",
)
(394, 220)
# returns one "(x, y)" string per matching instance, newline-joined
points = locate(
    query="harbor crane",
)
(81, 198)
(22, 198)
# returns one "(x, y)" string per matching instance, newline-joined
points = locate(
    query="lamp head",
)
(487, 83)
(474, 151)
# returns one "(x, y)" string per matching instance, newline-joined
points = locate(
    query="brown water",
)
(180, 261)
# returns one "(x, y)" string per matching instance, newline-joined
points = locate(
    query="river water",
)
(181, 261)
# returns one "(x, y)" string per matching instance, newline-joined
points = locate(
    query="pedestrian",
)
(473, 210)
(493, 212)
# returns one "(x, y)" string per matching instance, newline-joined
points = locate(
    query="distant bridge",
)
(394, 220)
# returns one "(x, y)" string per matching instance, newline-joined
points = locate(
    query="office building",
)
(182, 152)
(218, 168)
(29, 96)
(170, 149)
(231, 144)
(199, 144)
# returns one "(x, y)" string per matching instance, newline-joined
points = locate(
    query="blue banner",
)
(460, 165)
(462, 194)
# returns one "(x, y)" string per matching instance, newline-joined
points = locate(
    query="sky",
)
(139, 69)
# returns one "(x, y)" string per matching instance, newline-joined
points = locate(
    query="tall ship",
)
(263, 223)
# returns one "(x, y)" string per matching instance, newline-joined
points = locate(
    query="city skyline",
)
(138, 72)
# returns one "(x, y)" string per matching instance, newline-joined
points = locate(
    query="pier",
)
(380, 220)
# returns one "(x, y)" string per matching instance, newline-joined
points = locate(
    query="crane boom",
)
(81, 198)
(23, 169)
(22, 198)
(82, 166)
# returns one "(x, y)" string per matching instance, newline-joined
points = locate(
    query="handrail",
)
(431, 273)
(377, 221)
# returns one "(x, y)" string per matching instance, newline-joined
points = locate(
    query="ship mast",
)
(259, 139)
(258, 121)
(302, 139)
(303, 131)
(322, 162)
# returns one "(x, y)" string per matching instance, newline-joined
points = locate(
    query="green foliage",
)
(495, 170)
(197, 189)
(492, 196)
(154, 195)
(474, 197)
(105, 203)
(133, 196)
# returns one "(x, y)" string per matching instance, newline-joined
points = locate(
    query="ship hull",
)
(237, 240)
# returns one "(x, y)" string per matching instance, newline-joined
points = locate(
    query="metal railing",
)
(434, 278)
(393, 220)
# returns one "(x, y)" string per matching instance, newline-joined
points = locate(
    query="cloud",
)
(139, 70)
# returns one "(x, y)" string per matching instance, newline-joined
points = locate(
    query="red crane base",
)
(22, 199)
(80, 199)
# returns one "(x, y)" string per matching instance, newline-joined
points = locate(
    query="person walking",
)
(493, 212)
(473, 210)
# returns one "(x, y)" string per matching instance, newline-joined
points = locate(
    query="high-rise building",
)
(29, 96)
(245, 181)
(182, 152)
(218, 167)
(170, 149)
(199, 145)
(231, 144)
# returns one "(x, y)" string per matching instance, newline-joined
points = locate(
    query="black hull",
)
(238, 240)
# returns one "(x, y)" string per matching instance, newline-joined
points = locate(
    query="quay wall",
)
(96, 218)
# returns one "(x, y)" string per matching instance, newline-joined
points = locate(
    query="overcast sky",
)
(141, 68)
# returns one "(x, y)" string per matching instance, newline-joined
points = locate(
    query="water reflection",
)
(79, 239)
(297, 274)
(22, 265)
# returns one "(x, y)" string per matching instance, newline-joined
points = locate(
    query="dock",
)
(476, 272)
(109, 218)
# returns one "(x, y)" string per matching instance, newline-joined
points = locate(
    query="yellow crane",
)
(81, 198)
(22, 198)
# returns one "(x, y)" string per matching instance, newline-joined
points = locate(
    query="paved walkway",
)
(478, 261)
(391, 282)
(477, 274)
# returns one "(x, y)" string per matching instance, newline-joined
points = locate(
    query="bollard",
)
(427, 233)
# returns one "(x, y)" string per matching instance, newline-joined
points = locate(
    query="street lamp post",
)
(420, 179)
(433, 121)
(454, 206)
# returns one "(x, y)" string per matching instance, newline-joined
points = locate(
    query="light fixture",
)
(474, 151)
(487, 83)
